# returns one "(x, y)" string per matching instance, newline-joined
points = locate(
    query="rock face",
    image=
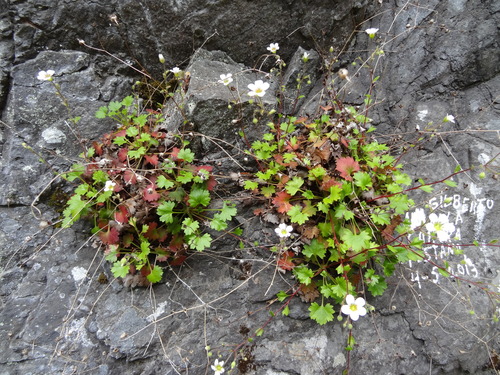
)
(61, 310)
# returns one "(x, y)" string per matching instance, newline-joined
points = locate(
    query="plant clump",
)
(149, 200)
(344, 193)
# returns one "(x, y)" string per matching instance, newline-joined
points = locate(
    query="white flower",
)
(449, 118)
(110, 186)
(45, 75)
(305, 57)
(161, 58)
(371, 32)
(284, 230)
(258, 88)
(226, 79)
(175, 70)
(354, 308)
(273, 47)
(218, 367)
(441, 226)
(417, 218)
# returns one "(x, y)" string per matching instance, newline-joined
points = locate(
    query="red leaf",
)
(155, 233)
(158, 135)
(129, 177)
(347, 166)
(120, 133)
(122, 154)
(285, 261)
(282, 202)
(328, 183)
(258, 211)
(175, 152)
(208, 168)
(127, 239)
(150, 194)
(110, 236)
(153, 160)
(122, 215)
(177, 243)
(97, 148)
(178, 260)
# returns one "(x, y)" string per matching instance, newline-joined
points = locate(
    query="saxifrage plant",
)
(148, 199)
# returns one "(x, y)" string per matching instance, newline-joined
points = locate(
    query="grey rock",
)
(57, 315)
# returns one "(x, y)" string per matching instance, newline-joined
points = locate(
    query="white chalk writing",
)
(457, 209)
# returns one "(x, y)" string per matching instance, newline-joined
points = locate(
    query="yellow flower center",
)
(438, 226)
(353, 307)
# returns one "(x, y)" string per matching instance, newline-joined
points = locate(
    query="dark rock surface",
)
(61, 310)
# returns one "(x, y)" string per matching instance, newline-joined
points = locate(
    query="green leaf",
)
(75, 208)
(137, 154)
(184, 177)
(163, 183)
(251, 185)
(199, 196)
(114, 106)
(219, 221)
(376, 283)
(356, 242)
(227, 212)
(317, 172)
(363, 180)
(323, 207)
(268, 191)
(342, 212)
(82, 189)
(141, 119)
(308, 194)
(128, 101)
(304, 274)
(322, 314)
(334, 194)
(297, 215)
(259, 332)
(402, 178)
(145, 137)
(381, 217)
(120, 268)
(145, 247)
(155, 275)
(286, 311)
(218, 224)
(101, 112)
(120, 141)
(76, 172)
(315, 248)
(389, 267)
(426, 188)
(190, 226)
(132, 131)
(200, 243)
(165, 211)
(100, 176)
(186, 154)
(443, 272)
(281, 296)
(294, 185)
(400, 203)
(450, 183)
